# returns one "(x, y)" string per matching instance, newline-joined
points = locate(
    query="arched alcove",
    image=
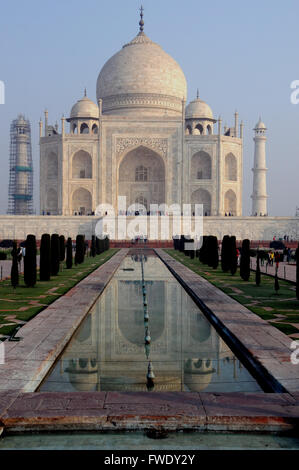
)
(52, 166)
(142, 173)
(52, 200)
(94, 129)
(201, 166)
(82, 201)
(230, 167)
(201, 196)
(82, 165)
(84, 129)
(230, 202)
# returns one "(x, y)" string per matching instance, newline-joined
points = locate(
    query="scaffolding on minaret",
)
(20, 191)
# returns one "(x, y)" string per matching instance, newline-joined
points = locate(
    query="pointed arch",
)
(230, 167)
(82, 201)
(142, 171)
(230, 202)
(201, 196)
(82, 165)
(201, 166)
(84, 129)
(52, 165)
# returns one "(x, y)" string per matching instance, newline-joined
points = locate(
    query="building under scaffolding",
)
(20, 192)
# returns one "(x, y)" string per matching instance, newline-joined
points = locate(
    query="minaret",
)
(259, 195)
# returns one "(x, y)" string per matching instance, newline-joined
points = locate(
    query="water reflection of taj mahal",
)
(108, 352)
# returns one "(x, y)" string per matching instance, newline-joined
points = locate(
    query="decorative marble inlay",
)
(155, 143)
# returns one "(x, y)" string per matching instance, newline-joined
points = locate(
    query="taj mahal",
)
(142, 140)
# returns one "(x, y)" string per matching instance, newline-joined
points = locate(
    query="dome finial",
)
(141, 22)
(197, 94)
(84, 91)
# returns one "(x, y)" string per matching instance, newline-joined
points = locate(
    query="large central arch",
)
(141, 176)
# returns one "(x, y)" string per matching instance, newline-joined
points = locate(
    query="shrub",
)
(14, 275)
(98, 247)
(233, 255)
(55, 255)
(245, 260)
(61, 248)
(214, 256)
(297, 272)
(45, 258)
(203, 252)
(276, 283)
(93, 246)
(258, 270)
(30, 261)
(69, 253)
(225, 254)
(80, 249)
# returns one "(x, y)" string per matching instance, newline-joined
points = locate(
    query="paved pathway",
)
(285, 270)
(5, 267)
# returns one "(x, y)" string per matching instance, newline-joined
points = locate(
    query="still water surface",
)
(183, 351)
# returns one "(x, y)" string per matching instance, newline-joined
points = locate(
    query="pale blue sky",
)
(241, 55)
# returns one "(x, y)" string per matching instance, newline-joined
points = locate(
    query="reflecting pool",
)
(146, 333)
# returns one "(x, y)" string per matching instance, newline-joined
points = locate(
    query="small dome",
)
(85, 108)
(260, 124)
(198, 109)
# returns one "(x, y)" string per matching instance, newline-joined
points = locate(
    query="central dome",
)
(141, 76)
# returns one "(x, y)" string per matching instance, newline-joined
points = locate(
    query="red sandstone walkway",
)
(285, 271)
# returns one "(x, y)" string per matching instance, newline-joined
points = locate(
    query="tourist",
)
(19, 257)
(277, 258)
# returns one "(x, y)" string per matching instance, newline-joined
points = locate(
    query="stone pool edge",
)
(132, 411)
(27, 362)
(261, 344)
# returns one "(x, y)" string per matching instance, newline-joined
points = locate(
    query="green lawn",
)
(24, 303)
(263, 300)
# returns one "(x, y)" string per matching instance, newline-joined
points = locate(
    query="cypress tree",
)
(45, 258)
(93, 246)
(61, 248)
(225, 254)
(191, 251)
(205, 254)
(233, 255)
(257, 271)
(80, 249)
(209, 249)
(98, 249)
(55, 255)
(276, 283)
(14, 275)
(69, 253)
(297, 272)
(214, 260)
(182, 243)
(30, 261)
(245, 260)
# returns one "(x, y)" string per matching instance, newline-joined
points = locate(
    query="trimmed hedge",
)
(30, 261)
(45, 258)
